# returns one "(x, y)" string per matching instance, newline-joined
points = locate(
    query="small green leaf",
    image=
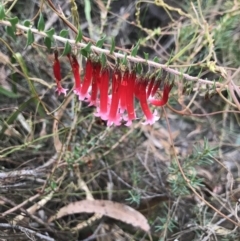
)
(50, 33)
(124, 61)
(112, 45)
(41, 23)
(8, 93)
(103, 59)
(67, 48)
(64, 33)
(135, 50)
(48, 42)
(146, 56)
(13, 22)
(79, 35)
(156, 59)
(84, 53)
(139, 68)
(30, 37)
(86, 50)
(10, 32)
(27, 23)
(100, 42)
(2, 12)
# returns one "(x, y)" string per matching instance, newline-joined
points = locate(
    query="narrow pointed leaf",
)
(139, 68)
(112, 45)
(103, 59)
(135, 50)
(48, 42)
(146, 56)
(13, 22)
(64, 33)
(86, 50)
(10, 32)
(30, 37)
(100, 42)
(67, 48)
(7, 93)
(2, 12)
(41, 23)
(124, 61)
(79, 35)
(50, 33)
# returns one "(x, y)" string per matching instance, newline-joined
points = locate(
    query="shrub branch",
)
(121, 56)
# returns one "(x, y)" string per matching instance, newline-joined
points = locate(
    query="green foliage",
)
(30, 38)
(135, 49)
(14, 22)
(200, 156)
(2, 12)
(41, 23)
(50, 33)
(79, 35)
(86, 50)
(72, 157)
(112, 45)
(48, 42)
(27, 23)
(227, 40)
(64, 33)
(100, 42)
(103, 59)
(134, 198)
(165, 223)
(10, 32)
(67, 48)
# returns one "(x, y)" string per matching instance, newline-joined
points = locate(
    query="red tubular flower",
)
(155, 87)
(57, 75)
(114, 116)
(123, 92)
(75, 69)
(103, 109)
(95, 83)
(87, 80)
(141, 94)
(166, 90)
(150, 86)
(130, 98)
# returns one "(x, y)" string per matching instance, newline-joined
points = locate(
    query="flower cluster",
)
(118, 105)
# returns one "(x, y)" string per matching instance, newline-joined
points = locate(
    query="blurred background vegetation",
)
(65, 145)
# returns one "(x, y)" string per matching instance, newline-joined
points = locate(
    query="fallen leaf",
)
(108, 208)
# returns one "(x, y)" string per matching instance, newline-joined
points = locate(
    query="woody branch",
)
(121, 56)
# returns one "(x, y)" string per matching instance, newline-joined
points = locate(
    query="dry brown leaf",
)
(108, 208)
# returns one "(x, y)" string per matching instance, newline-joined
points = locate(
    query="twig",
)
(26, 231)
(188, 183)
(4, 175)
(121, 56)
(20, 205)
(34, 208)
